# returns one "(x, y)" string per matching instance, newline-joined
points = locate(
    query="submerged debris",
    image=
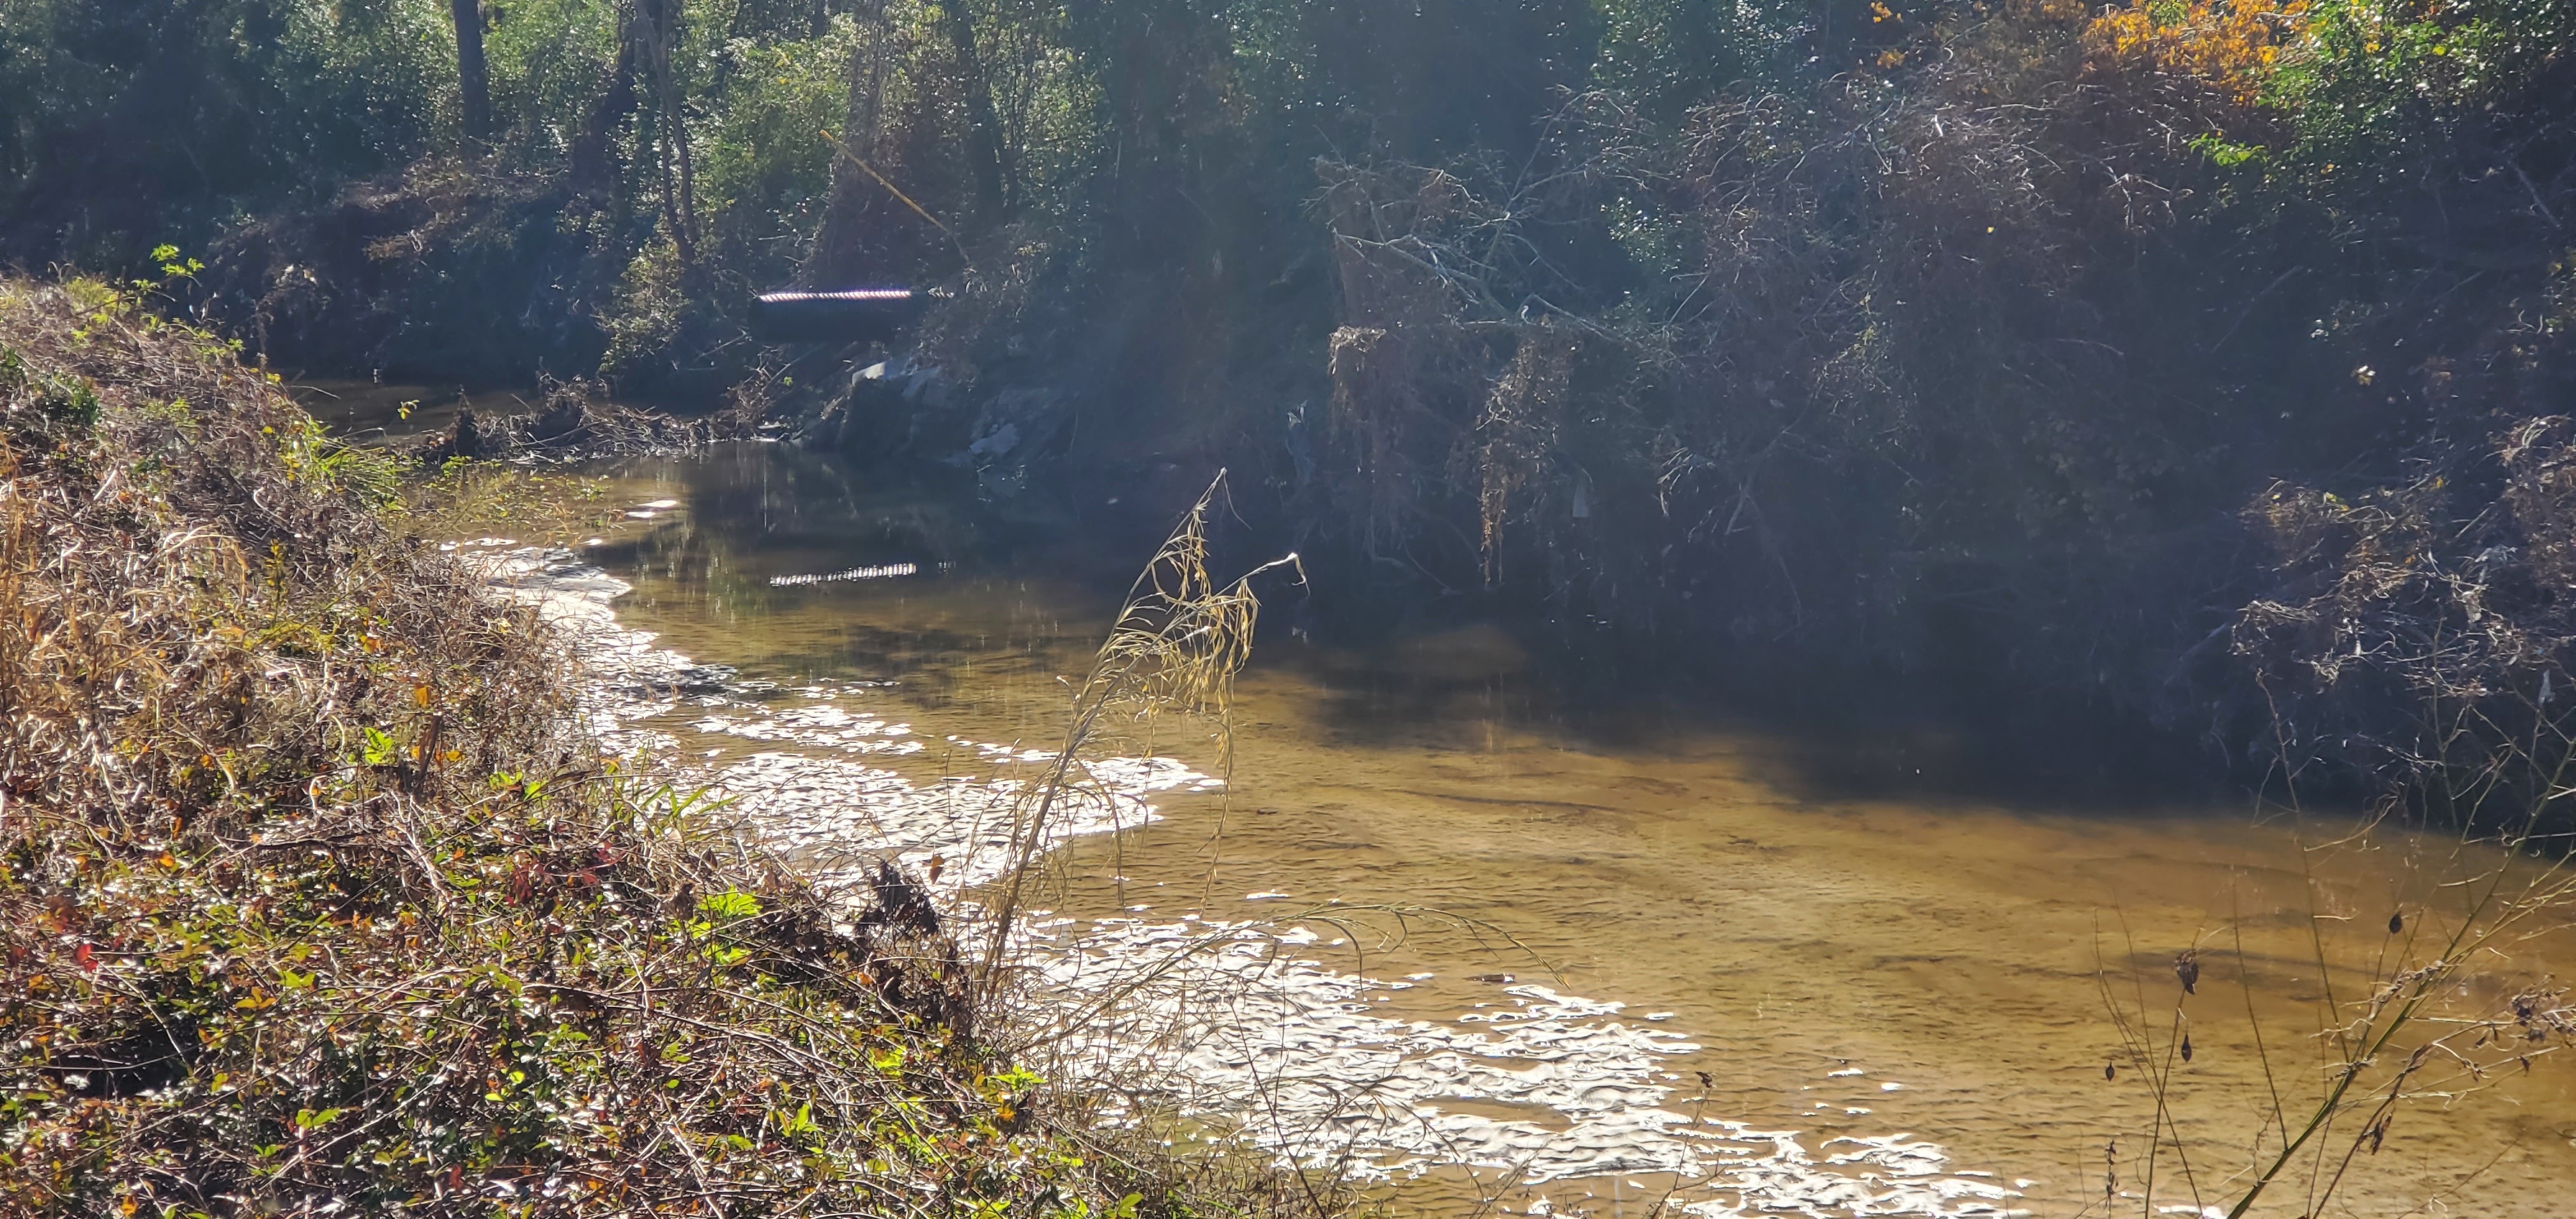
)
(575, 421)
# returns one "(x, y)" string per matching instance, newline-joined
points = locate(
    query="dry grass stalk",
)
(2444, 999)
(1178, 642)
(2416, 634)
(318, 899)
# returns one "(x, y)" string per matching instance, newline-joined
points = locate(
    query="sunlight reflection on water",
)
(1281, 1048)
(1797, 952)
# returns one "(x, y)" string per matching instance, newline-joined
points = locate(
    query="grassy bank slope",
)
(319, 900)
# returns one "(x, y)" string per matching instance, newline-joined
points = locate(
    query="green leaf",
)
(730, 904)
(2223, 153)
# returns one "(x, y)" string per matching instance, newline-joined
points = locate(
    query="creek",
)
(1441, 929)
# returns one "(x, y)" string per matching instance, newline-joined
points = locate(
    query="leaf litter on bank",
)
(316, 897)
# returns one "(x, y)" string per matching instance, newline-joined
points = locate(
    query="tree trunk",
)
(661, 25)
(594, 151)
(473, 79)
(838, 258)
(983, 126)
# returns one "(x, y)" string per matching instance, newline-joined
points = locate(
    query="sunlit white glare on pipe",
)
(855, 573)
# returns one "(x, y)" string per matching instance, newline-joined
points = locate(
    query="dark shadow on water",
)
(1827, 736)
(1021, 591)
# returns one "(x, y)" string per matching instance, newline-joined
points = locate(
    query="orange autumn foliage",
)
(2228, 46)
(2059, 12)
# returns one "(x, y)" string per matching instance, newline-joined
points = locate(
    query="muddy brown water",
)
(1844, 967)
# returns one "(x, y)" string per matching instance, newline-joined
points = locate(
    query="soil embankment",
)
(319, 894)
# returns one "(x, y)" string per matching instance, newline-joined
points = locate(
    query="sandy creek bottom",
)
(1430, 933)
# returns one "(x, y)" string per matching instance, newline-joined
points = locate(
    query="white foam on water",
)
(832, 812)
(1228, 1021)
(630, 679)
(819, 727)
